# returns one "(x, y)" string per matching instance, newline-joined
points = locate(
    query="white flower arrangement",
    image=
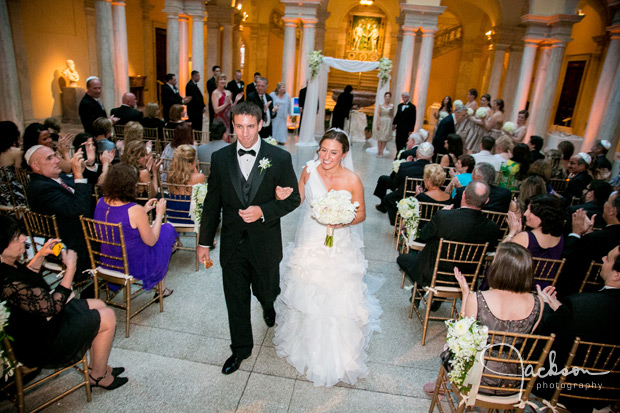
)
(470, 111)
(385, 68)
(509, 128)
(315, 59)
(442, 115)
(466, 338)
(334, 208)
(271, 140)
(199, 192)
(482, 113)
(457, 102)
(409, 210)
(264, 164)
(8, 368)
(396, 164)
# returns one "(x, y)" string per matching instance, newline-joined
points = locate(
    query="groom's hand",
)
(251, 214)
(203, 254)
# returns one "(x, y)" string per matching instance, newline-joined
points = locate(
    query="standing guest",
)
(196, 106)
(464, 128)
(265, 103)
(499, 198)
(211, 86)
(170, 95)
(216, 133)
(222, 102)
(252, 86)
(127, 112)
(519, 134)
(461, 175)
(454, 148)
(282, 100)
(176, 114)
(236, 86)
(536, 144)
(302, 101)
(91, 106)
(404, 121)
(578, 178)
(485, 155)
(152, 120)
(344, 103)
(515, 170)
(384, 123)
(447, 126)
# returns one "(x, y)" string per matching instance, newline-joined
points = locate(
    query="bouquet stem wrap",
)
(329, 238)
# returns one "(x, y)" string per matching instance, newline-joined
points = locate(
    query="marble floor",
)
(173, 359)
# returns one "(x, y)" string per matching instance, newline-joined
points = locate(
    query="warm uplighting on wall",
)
(489, 34)
(366, 2)
(580, 12)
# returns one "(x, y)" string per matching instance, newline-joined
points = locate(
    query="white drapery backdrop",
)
(313, 123)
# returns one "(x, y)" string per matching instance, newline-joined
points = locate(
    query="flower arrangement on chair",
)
(466, 338)
(409, 210)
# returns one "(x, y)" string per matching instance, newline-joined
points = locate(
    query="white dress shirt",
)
(267, 121)
(486, 156)
(246, 162)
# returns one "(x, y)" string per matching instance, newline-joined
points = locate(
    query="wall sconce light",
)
(366, 2)
(489, 34)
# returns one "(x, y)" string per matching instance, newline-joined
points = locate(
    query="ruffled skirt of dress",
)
(326, 312)
(472, 134)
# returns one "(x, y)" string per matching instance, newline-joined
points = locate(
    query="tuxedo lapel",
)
(256, 176)
(235, 172)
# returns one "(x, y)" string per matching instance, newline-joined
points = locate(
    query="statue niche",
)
(70, 93)
(365, 36)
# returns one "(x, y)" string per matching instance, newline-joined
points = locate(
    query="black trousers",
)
(401, 140)
(196, 120)
(242, 276)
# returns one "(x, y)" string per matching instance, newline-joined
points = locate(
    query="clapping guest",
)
(461, 175)
(183, 171)
(221, 100)
(434, 177)
(595, 195)
(532, 185)
(454, 146)
(515, 170)
(135, 154)
(182, 136)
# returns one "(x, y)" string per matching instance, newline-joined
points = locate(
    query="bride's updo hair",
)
(337, 135)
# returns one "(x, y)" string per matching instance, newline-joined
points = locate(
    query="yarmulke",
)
(30, 151)
(606, 144)
(587, 158)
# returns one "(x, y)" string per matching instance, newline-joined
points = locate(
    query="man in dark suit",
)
(242, 184)
(404, 121)
(465, 224)
(302, 101)
(599, 152)
(170, 95)
(196, 106)
(448, 126)
(127, 112)
(536, 144)
(578, 176)
(211, 86)
(499, 198)
(236, 86)
(265, 103)
(596, 194)
(592, 317)
(252, 86)
(91, 107)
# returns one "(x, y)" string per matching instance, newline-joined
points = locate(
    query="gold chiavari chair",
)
(201, 136)
(151, 134)
(11, 191)
(15, 388)
(546, 271)
(119, 131)
(559, 185)
(427, 210)
(114, 269)
(410, 188)
(510, 352)
(501, 219)
(178, 200)
(592, 280)
(444, 287)
(46, 227)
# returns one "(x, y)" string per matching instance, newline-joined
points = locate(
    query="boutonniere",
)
(264, 164)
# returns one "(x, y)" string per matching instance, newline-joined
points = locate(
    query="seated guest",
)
(499, 198)
(599, 155)
(11, 160)
(176, 113)
(542, 168)
(595, 195)
(148, 247)
(415, 139)
(591, 317)
(152, 119)
(485, 154)
(216, 133)
(396, 182)
(133, 131)
(37, 134)
(503, 149)
(454, 148)
(127, 112)
(183, 171)
(536, 144)
(66, 327)
(103, 132)
(578, 176)
(532, 185)
(567, 149)
(554, 157)
(515, 170)
(465, 224)
(434, 177)
(183, 135)
(462, 174)
(135, 154)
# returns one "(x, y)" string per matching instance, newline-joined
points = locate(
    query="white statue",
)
(70, 74)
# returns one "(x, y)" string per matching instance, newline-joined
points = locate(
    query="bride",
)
(325, 312)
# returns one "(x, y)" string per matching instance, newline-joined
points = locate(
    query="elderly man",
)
(91, 106)
(448, 126)
(578, 176)
(465, 224)
(127, 111)
(404, 121)
(264, 101)
(499, 198)
(486, 155)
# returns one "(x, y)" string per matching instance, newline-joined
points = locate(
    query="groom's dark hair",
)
(247, 108)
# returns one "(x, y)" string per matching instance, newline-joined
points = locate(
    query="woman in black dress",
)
(342, 108)
(50, 328)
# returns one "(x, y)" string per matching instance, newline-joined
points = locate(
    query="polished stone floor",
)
(173, 359)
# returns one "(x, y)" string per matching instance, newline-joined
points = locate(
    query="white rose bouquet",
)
(457, 102)
(396, 164)
(8, 368)
(509, 128)
(466, 338)
(334, 208)
(482, 113)
(470, 111)
(409, 209)
(442, 115)
(315, 59)
(199, 192)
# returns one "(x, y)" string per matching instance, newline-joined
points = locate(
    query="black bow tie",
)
(242, 152)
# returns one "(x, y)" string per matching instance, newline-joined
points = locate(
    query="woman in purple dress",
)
(148, 246)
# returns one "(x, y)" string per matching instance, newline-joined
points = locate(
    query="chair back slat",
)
(410, 186)
(592, 280)
(151, 133)
(98, 234)
(558, 185)
(40, 225)
(178, 201)
(201, 136)
(468, 257)
(428, 209)
(119, 131)
(546, 271)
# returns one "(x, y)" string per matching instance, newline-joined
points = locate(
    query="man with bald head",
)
(127, 111)
(578, 176)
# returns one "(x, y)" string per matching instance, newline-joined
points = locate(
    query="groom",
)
(242, 184)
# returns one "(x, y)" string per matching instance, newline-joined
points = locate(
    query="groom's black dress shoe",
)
(269, 315)
(232, 364)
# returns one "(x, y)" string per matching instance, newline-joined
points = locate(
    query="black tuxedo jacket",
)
(445, 127)
(250, 88)
(90, 110)
(126, 114)
(254, 98)
(499, 199)
(302, 97)
(576, 186)
(211, 86)
(404, 119)
(591, 208)
(196, 106)
(226, 195)
(169, 98)
(235, 90)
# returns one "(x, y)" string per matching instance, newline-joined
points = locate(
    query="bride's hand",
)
(283, 193)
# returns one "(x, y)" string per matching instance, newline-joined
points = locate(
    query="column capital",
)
(301, 8)
(290, 21)
(409, 30)
(309, 21)
(421, 16)
(183, 18)
(172, 8)
(428, 31)
(195, 10)
(118, 3)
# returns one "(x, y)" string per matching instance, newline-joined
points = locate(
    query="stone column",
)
(198, 56)
(511, 78)
(183, 48)
(213, 45)
(525, 76)
(498, 53)
(610, 126)
(537, 89)
(121, 60)
(91, 35)
(105, 45)
(150, 90)
(288, 54)
(306, 48)
(545, 105)
(172, 40)
(405, 62)
(603, 89)
(423, 74)
(227, 49)
(10, 102)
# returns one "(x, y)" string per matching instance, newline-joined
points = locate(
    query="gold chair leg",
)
(429, 302)
(127, 296)
(435, 399)
(160, 291)
(414, 295)
(86, 378)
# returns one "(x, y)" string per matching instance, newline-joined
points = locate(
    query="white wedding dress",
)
(326, 312)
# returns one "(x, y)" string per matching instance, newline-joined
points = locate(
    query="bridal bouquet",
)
(466, 338)
(509, 128)
(482, 113)
(409, 210)
(8, 368)
(470, 111)
(199, 192)
(334, 208)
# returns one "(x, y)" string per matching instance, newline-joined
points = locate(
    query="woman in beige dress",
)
(495, 119)
(476, 129)
(384, 124)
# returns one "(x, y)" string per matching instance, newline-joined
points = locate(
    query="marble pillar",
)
(610, 126)
(510, 80)
(307, 47)
(183, 50)
(91, 36)
(423, 74)
(405, 62)
(213, 45)
(121, 59)
(227, 49)
(105, 45)
(497, 69)
(537, 88)
(525, 77)
(10, 102)
(150, 90)
(198, 56)
(549, 89)
(172, 42)
(603, 89)
(288, 54)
